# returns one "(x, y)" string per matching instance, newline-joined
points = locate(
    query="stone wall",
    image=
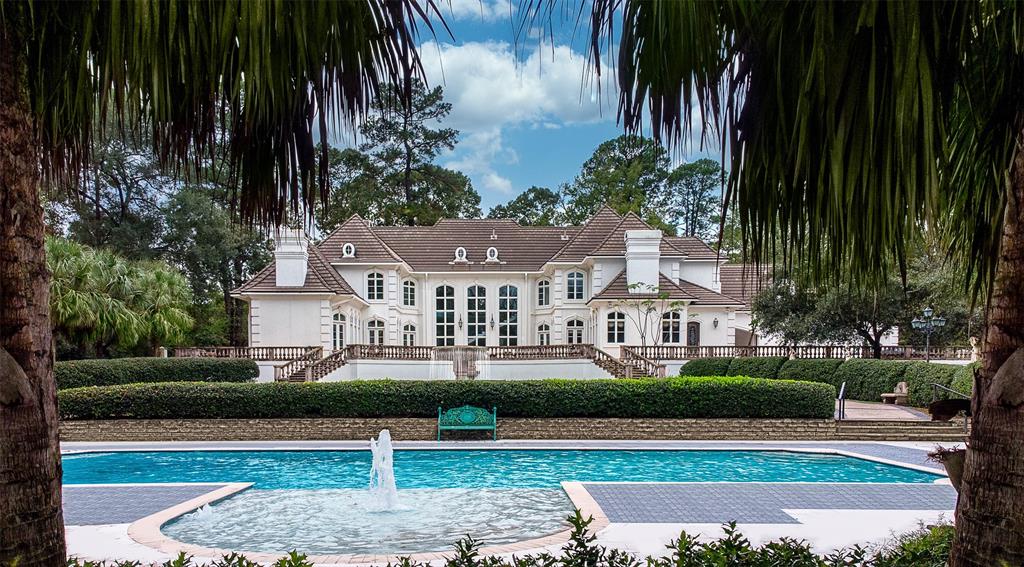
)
(425, 428)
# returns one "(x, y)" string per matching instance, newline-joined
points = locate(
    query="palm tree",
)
(271, 76)
(850, 127)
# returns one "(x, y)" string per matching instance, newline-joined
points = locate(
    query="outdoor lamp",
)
(928, 312)
(715, 322)
(492, 321)
(939, 321)
(460, 321)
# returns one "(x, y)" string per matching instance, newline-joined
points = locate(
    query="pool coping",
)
(146, 531)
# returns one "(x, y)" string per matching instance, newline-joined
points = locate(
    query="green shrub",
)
(756, 366)
(927, 547)
(706, 367)
(920, 376)
(108, 372)
(963, 379)
(713, 397)
(811, 370)
(867, 379)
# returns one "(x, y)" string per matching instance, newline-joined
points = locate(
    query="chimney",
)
(291, 257)
(643, 255)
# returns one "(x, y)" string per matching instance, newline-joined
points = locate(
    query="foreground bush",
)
(108, 372)
(707, 367)
(672, 398)
(920, 376)
(925, 548)
(756, 366)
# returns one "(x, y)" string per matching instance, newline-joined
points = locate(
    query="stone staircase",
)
(872, 430)
(309, 367)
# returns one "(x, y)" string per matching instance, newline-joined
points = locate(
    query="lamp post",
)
(927, 325)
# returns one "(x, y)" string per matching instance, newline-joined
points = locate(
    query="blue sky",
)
(527, 113)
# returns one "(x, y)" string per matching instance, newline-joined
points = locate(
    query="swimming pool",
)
(477, 468)
(317, 501)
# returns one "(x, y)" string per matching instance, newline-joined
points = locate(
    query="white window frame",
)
(408, 334)
(476, 315)
(508, 315)
(348, 250)
(616, 328)
(375, 332)
(574, 292)
(671, 328)
(444, 315)
(375, 291)
(574, 331)
(338, 323)
(544, 293)
(408, 293)
(543, 334)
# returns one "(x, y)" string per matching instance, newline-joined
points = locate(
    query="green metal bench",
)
(466, 418)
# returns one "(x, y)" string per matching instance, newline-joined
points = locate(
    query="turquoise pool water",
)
(498, 469)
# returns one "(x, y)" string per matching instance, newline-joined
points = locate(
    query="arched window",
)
(375, 331)
(574, 285)
(544, 334)
(348, 250)
(574, 331)
(616, 327)
(444, 315)
(408, 334)
(375, 286)
(508, 315)
(338, 331)
(409, 293)
(476, 315)
(693, 333)
(543, 293)
(671, 327)
(460, 254)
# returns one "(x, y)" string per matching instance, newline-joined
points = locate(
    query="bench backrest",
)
(901, 388)
(466, 415)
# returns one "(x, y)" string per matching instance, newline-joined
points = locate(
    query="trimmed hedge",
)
(868, 378)
(963, 379)
(109, 372)
(710, 397)
(921, 375)
(756, 366)
(811, 370)
(707, 367)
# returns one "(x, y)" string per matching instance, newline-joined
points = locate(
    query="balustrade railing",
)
(651, 367)
(681, 352)
(253, 353)
(388, 352)
(286, 370)
(325, 366)
(537, 352)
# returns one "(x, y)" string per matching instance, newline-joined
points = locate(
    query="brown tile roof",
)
(693, 247)
(707, 296)
(618, 289)
(743, 281)
(432, 248)
(321, 277)
(615, 243)
(369, 248)
(590, 236)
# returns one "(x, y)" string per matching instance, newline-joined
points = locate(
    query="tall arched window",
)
(544, 334)
(574, 331)
(671, 327)
(375, 331)
(574, 285)
(375, 286)
(616, 327)
(408, 334)
(409, 293)
(508, 315)
(693, 333)
(543, 293)
(444, 315)
(338, 331)
(476, 315)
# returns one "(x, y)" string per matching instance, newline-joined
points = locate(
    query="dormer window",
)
(460, 254)
(492, 254)
(348, 250)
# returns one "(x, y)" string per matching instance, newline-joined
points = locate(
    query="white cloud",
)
(491, 89)
(486, 10)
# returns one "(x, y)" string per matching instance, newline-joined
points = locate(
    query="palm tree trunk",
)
(31, 519)
(990, 514)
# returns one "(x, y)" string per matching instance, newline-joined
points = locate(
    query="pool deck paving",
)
(639, 517)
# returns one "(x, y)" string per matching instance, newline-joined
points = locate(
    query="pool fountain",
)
(382, 472)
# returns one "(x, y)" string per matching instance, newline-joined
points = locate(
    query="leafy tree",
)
(851, 126)
(627, 173)
(693, 190)
(845, 315)
(216, 255)
(787, 311)
(276, 74)
(645, 311)
(537, 206)
(99, 299)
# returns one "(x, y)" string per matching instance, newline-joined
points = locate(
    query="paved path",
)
(881, 412)
(758, 503)
(93, 505)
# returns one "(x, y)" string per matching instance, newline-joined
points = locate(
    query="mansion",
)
(612, 282)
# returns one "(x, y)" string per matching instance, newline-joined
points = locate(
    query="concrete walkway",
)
(881, 412)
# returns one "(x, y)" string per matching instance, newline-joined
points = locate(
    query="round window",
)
(348, 250)
(492, 253)
(460, 254)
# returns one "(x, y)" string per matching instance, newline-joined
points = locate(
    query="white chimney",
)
(291, 256)
(643, 255)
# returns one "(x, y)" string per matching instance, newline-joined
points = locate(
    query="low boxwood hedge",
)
(707, 367)
(811, 370)
(756, 366)
(920, 376)
(867, 378)
(108, 372)
(710, 397)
